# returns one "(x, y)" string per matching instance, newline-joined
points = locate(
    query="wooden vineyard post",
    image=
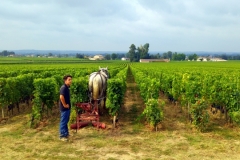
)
(2, 112)
(114, 121)
(188, 112)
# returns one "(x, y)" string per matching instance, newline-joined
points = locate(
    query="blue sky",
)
(113, 25)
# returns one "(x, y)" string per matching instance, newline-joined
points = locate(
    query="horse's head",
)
(104, 71)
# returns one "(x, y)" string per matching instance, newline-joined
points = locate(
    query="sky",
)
(113, 25)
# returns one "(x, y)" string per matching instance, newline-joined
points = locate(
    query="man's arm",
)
(62, 99)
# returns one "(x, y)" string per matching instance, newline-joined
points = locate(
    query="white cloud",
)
(179, 25)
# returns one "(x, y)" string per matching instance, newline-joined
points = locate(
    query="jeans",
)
(63, 128)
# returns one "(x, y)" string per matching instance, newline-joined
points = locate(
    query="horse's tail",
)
(96, 88)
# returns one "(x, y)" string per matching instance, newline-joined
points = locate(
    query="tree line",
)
(175, 56)
(141, 52)
(6, 53)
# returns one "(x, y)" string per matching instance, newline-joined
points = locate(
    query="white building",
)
(97, 57)
(217, 59)
(210, 59)
(202, 59)
(153, 60)
(125, 59)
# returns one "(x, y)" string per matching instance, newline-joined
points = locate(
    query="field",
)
(175, 138)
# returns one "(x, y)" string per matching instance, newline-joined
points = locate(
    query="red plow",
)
(89, 115)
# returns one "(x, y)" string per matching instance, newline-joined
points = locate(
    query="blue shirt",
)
(64, 90)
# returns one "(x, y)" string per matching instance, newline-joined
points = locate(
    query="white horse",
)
(97, 87)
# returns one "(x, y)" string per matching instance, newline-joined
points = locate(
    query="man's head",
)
(67, 80)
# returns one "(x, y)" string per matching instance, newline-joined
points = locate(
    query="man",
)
(65, 107)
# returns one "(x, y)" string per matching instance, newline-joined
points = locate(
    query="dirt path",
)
(133, 103)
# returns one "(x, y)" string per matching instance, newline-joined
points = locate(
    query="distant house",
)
(202, 59)
(217, 59)
(125, 59)
(210, 59)
(154, 60)
(97, 57)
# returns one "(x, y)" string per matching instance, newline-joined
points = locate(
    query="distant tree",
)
(193, 57)
(50, 54)
(224, 56)
(107, 57)
(143, 51)
(78, 55)
(146, 49)
(135, 54)
(153, 56)
(165, 55)
(169, 54)
(178, 56)
(120, 55)
(6, 53)
(181, 56)
(175, 56)
(208, 58)
(113, 56)
(132, 52)
(127, 55)
(236, 57)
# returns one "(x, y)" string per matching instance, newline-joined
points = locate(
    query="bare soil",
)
(175, 139)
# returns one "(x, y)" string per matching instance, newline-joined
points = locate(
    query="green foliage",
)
(24, 81)
(193, 57)
(25, 85)
(14, 93)
(113, 56)
(142, 52)
(153, 113)
(115, 92)
(45, 93)
(132, 52)
(79, 90)
(47, 89)
(4, 90)
(149, 87)
(188, 82)
(36, 109)
(235, 116)
(178, 56)
(200, 115)
(168, 55)
(73, 116)
(7, 53)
